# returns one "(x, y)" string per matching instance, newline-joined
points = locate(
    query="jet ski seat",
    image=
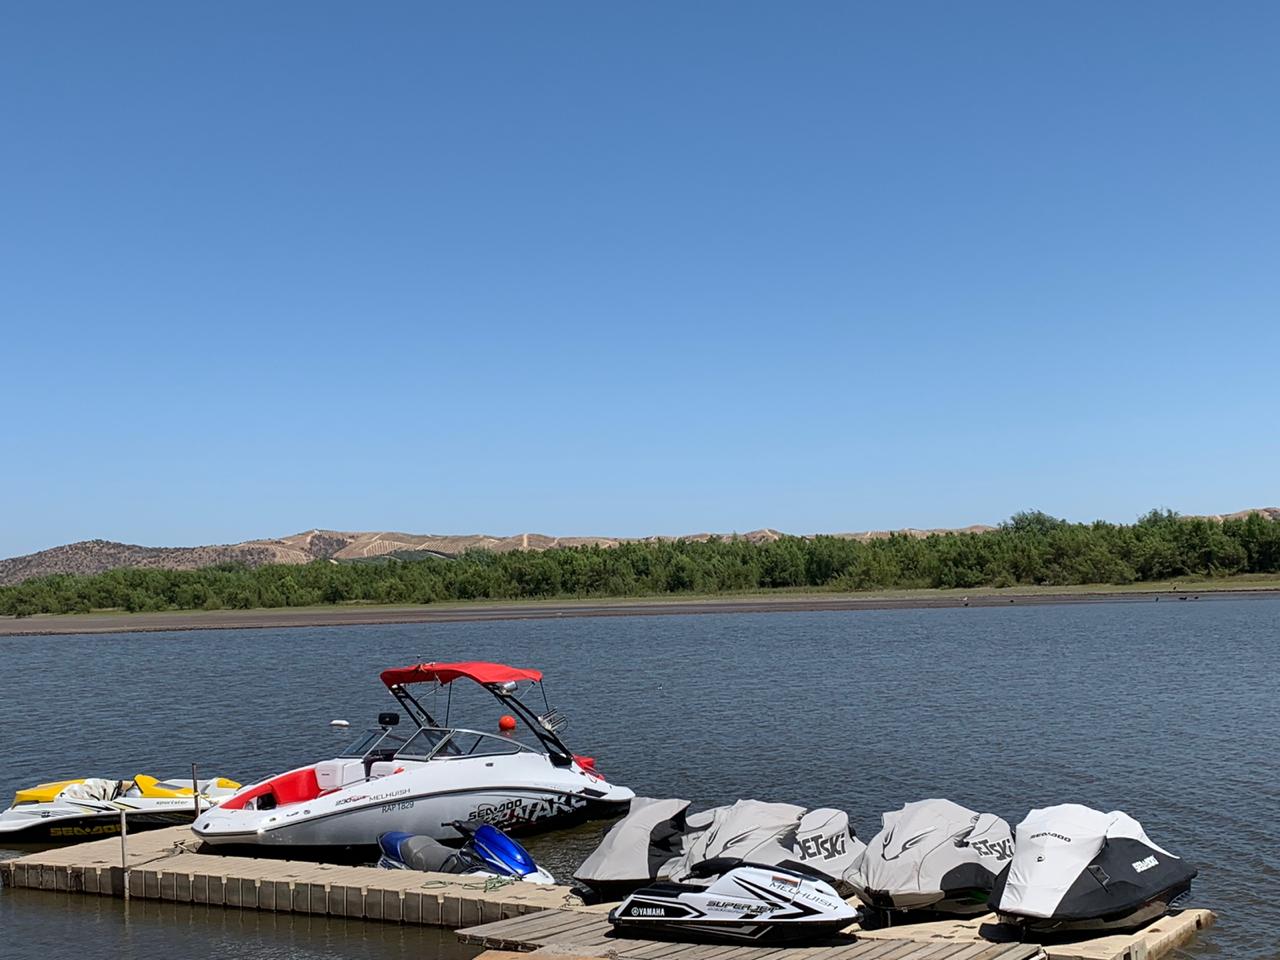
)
(150, 787)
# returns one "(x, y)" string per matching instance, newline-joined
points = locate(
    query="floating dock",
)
(163, 866)
(546, 920)
(588, 934)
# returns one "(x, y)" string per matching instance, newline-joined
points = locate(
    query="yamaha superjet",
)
(424, 781)
(1076, 869)
(729, 901)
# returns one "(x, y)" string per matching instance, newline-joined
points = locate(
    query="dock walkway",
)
(580, 933)
(544, 919)
(162, 866)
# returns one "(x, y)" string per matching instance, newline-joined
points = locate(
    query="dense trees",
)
(1030, 548)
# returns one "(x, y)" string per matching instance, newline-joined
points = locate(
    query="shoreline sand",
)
(364, 615)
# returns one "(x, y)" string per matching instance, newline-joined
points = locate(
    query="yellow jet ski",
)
(69, 811)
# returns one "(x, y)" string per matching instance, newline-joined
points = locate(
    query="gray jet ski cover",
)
(658, 839)
(636, 847)
(933, 855)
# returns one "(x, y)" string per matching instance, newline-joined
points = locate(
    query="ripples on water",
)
(1164, 710)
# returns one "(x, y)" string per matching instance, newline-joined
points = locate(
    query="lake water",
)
(1165, 710)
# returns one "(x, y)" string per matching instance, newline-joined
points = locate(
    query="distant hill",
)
(97, 556)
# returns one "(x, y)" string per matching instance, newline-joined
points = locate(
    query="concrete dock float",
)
(163, 865)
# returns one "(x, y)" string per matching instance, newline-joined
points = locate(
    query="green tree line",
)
(1030, 548)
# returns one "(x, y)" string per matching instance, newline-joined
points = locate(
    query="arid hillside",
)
(96, 556)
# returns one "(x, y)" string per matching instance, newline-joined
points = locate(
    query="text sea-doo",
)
(1077, 869)
(486, 852)
(661, 840)
(423, 782)
(729, 901)
(934, 856)
(70, 811)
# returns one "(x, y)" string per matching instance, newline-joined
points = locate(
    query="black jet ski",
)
(1076, 869)
(730, 901)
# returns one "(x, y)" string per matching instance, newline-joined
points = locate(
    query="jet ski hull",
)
(748, 904)
(1127, 922)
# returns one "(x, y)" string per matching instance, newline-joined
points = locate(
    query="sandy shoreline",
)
(92, 623)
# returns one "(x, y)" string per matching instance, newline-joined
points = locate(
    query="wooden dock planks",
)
(581, 934)
(589, 934)
(1150, 943)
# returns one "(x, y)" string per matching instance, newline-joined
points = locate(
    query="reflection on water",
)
(1164, 710)
(53, 926)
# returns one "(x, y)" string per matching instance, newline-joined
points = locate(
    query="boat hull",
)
(55, 830)
(351, 829)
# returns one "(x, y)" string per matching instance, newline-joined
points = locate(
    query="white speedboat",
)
(424, 780)
(70, 811)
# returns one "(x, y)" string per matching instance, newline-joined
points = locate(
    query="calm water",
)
(1167, 711)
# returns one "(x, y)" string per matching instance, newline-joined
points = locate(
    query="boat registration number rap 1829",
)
(401, 805)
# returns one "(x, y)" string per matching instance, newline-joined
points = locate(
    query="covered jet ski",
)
(662, 840)
(486, 852)
(934, 856)
(422, 781)
(71, 811)
(730, 901)
(1078, 869)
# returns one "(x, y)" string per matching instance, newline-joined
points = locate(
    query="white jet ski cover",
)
(933, 855)
(92, 788)
(780, 834)
(659, 839)
(749, 830)
(1072, 862)
(637, 846)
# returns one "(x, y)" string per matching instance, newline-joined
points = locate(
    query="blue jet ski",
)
(485, 852)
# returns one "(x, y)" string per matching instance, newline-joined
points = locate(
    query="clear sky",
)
(633, 268)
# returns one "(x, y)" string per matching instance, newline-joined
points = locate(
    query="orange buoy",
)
(506, 723)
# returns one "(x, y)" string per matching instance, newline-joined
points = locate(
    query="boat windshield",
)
(437, 743)
(370, 740)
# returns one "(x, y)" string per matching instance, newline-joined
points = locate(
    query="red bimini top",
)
(476, 670)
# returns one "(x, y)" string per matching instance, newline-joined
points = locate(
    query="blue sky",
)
(631, 269)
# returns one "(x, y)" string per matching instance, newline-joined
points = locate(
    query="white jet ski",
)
(422, 782)
(71, 811)
(729, 901)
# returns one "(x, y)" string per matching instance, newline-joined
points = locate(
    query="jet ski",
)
(486, 852)
(71, 811)
(422, 781)
(662, 840)
(933, 856)
(1075, 869)
(731, 901)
